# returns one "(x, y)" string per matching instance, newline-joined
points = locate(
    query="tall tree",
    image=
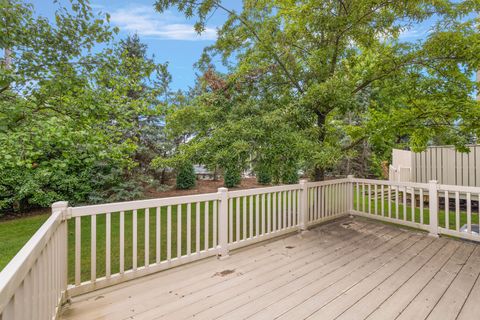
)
(313, 64)
(76, 124)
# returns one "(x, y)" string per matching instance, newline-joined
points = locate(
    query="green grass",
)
(15, 233)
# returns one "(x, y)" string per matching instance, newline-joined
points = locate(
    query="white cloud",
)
(145, 21)
(416, 32)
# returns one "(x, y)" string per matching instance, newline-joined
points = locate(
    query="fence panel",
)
(459, 211)
(327, 200)
(259, 214)
(115, 242)
(402, 203)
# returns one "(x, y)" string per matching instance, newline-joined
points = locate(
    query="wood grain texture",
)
(348, 269)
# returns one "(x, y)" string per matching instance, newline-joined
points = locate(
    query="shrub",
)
(232, 177)
(289, 175)
(186, 176)
(264, 176)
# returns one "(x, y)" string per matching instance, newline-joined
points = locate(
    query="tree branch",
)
(274, 54)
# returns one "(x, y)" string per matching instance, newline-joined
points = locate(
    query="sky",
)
(170, 36)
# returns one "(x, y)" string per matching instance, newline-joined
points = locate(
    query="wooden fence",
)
(82, 249)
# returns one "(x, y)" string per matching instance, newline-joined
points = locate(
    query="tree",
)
(75, 124)
(315, 64)
(186, 176)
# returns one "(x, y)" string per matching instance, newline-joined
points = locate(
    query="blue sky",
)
(170, 36)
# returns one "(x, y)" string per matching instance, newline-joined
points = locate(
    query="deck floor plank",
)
(316, 303)
(389, 299)
(306, 271)
(457, 293)
(362, 269)
(421, 306)
(197, 299)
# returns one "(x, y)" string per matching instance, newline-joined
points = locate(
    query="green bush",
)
(289, 175)
(264, 175)
(186, 176)
(232, 177)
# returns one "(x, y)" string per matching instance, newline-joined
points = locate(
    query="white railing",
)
(328, 200)
(396, 202)
(33, 285)
(436, 208)
(112, 243)
(258, 214)
(458, 218)
(116, 242)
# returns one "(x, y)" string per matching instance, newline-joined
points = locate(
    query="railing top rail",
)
(455, 188)
(255, 191)
(326, 182)
(16, 270)
(392, 183)
(140, 204)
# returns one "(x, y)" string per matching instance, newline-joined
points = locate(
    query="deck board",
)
(348, 269)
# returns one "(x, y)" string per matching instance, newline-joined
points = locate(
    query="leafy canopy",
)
(76, 124)
(309, 81)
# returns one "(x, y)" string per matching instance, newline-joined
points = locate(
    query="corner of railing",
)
(66, 213)
(303, 205)
(62, 206)
(223, 223)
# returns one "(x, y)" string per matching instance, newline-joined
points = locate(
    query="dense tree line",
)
(77, 123)
(314, 87)
(320, 86)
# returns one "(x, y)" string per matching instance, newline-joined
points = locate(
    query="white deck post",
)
(60, 206)
(433, 207)
(223, 223)
(63, 249)
(349, 197)
(304, 205)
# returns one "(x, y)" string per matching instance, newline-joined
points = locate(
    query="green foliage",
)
(75, 124)
(314, 85)
(290, 175)
(263, 173)
(185, 176)
(232, 177)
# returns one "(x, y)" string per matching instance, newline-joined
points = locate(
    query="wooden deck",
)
(349, 269)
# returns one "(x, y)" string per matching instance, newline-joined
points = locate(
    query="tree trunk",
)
(320, 170)
(163, 176)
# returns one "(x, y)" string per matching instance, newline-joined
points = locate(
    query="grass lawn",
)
(15, 233)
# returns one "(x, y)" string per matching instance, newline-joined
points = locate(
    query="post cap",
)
(350, 176)
(433, 181)
(303, 181)
(60, 205)
(222, 189)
